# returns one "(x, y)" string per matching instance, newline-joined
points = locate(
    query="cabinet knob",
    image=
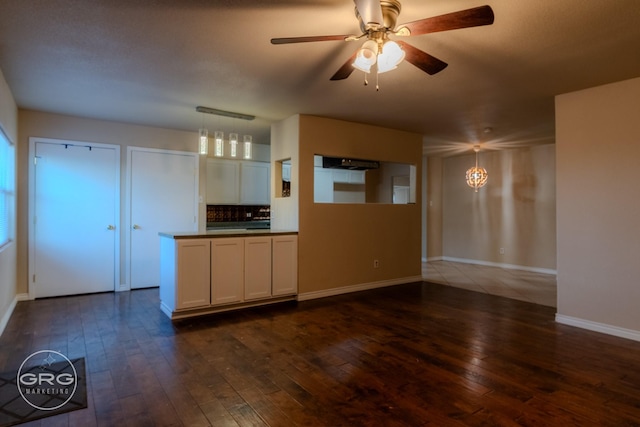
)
(136, 227)
(111, 227)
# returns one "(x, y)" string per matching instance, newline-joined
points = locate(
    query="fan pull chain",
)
(366, 82)
(377, 86)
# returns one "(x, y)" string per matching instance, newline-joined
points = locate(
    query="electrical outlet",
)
(501, 251)
(376, 263)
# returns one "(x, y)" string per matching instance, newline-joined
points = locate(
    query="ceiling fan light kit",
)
(377, 19)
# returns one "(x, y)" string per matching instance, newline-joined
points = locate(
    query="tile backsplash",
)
(237, 213)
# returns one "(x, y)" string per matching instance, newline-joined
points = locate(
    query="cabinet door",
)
(193, 289)
(227, 270)
(223, 182)
(322, 185)
(285, 265)
(257, 267)
(255, 183)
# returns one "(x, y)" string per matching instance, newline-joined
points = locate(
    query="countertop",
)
(209, 234)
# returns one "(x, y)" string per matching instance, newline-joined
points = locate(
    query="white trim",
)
(356, 288)
(7, 315)
(31, 185)
(499, 265)
(598, 327)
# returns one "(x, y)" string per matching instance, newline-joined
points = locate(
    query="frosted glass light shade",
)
(366, 56)
(219, 144)
(247, 140)
(233, 143)
(391, 55)
(203, 142)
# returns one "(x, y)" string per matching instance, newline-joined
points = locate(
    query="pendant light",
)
(203, 139)
(203, 146)
(219, 143)
(476, 176)
(233, 143)
(247, 141)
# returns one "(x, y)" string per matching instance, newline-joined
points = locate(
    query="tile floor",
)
(522, 285)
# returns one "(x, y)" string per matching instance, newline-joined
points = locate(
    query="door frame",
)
(32, 204)
(127, 217)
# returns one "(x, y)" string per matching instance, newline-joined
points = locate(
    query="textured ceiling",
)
(151, 62)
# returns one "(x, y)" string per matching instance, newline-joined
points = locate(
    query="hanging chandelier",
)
(477, 176)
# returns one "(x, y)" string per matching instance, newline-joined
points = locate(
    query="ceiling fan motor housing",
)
(390, 11)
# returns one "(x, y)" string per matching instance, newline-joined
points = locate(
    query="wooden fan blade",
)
(370, 11)
(475, 17)
(427, 63)
(286, 40)
(346, 69)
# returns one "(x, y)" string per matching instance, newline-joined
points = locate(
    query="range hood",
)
(346, 163)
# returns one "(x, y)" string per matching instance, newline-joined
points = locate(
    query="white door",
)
(163, 197)
(75, 208)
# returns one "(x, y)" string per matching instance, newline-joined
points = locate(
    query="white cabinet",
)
(322, 185)
(184, 274)
(232, 182)
(257, 267)
(223, 182)
(284, 265)
(206, 275)
(255, 179)
(227, 270)
(344, 176)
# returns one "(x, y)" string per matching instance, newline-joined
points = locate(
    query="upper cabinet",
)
(232, 182)
(254, 183)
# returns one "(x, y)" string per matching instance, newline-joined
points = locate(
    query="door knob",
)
(136, 227)
(111, 227)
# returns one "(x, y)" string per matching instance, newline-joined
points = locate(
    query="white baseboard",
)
(499, 265)
(356, 288)
(7, 315)
(599, 327)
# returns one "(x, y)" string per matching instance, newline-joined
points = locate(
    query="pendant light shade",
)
(233, 143)
(203, 145)
(219, 143)
(476, 176)
(247, 141)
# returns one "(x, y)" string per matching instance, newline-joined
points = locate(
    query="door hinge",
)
(34, 278)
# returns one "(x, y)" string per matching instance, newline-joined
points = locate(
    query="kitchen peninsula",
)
(215, 271)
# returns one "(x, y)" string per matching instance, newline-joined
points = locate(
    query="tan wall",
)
(434, 207)
(598, 153)
(9, 127)
(339, 242)
(45, 125)
(515, 210)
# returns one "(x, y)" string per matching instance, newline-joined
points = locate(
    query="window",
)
(7, 190)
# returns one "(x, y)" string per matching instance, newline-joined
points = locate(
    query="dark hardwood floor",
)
(409, 355)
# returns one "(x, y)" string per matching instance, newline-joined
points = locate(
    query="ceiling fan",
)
(380, 53)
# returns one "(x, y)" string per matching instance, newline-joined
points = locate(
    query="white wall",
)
(598, 210)
(8, 285)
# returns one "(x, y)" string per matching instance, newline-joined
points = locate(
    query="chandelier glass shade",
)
(476, 176)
